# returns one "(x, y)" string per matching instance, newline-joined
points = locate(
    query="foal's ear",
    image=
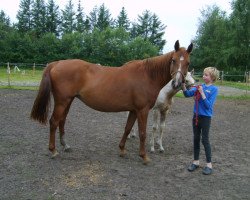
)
(190, 47)
(177, 45)
(192, 72)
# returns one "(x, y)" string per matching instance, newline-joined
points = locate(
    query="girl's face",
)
(207, 78)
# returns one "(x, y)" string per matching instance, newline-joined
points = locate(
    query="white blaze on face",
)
(178, 74)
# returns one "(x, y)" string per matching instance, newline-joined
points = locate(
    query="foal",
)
(162, 106)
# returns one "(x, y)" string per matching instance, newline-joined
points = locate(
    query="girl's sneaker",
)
(193, 167)
(207, 171)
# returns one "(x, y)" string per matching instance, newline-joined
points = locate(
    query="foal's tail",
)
(40, 109)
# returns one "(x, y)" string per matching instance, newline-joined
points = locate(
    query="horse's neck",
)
(158, 68)
(166, 93)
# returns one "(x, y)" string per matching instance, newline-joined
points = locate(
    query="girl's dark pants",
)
(202, 130)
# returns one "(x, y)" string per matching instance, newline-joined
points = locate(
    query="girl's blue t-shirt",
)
(205, 106)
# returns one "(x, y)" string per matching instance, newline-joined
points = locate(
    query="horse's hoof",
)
(67, 148)
(54, 154)
(146, 160)
(122, 153)
(162, 150)
(152, 150)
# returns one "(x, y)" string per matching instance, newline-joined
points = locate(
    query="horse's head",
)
(189, 80)
(179, 64)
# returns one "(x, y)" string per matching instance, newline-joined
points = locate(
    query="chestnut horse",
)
(132, 87)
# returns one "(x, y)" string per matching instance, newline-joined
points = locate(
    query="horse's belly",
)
(105, 103)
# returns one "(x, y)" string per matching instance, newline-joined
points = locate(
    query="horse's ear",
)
(177, 45)
(192, 72)
(190, 47)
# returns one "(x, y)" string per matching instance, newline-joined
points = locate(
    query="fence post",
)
(248, 79)
(222, 77)
(34, 68)
(8, 72)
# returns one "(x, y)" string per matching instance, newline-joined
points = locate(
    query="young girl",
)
(205, 96)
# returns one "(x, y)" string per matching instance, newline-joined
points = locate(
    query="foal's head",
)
(179, 64)
(189, 80)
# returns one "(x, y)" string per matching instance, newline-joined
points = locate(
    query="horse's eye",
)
(173, 60)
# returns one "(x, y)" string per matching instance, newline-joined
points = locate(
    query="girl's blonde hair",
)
(214, 73)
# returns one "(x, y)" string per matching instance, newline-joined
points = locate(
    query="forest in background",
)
(44, 33)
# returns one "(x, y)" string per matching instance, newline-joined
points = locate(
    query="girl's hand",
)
(183, 87)
(200, 89)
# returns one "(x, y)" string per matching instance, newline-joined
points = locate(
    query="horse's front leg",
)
(130, 123)
(155, 127)
(142, 117)
(162, 128)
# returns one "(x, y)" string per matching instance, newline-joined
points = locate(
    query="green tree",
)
(212, 39)
(80, 22)
(104, 19)
(24, 16)
(149, 27)
(68, 18)
(47, 48)
(140, 49)
(123, 21)
(72, 46)
(4, 25)
(240, 31)
(19, 47)
(5, 31)
(52, 18)
(38, 12)
(92, 18)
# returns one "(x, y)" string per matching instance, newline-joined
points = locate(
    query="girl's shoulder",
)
(211, 88)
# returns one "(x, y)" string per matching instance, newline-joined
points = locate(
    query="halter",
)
(183, 80)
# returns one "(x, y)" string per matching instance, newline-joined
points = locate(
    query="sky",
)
(181, 17)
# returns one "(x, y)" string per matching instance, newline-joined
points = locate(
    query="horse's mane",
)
(159, 66)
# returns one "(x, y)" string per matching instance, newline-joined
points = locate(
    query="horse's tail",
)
(40, 109)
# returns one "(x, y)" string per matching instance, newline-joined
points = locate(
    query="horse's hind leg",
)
(130, 122)
(57, 116)
(132, 132)
(61, 128)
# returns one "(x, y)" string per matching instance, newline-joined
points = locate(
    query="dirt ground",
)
(94, 170)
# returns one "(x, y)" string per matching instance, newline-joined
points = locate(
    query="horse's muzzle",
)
(176, 84)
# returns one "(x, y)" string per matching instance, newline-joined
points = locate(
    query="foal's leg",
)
(130, 122)
(155, 127)
(142, 117)
(57, 116)
(61, 128)
(162, 128)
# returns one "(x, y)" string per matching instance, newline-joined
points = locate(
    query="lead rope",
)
(197, 96)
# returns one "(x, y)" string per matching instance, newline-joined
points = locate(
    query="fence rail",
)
(29, 74)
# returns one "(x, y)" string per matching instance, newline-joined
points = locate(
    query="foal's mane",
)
(158, 67)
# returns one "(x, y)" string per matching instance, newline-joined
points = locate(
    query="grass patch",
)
(239, 85)
(20, 87)
(24, 75)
